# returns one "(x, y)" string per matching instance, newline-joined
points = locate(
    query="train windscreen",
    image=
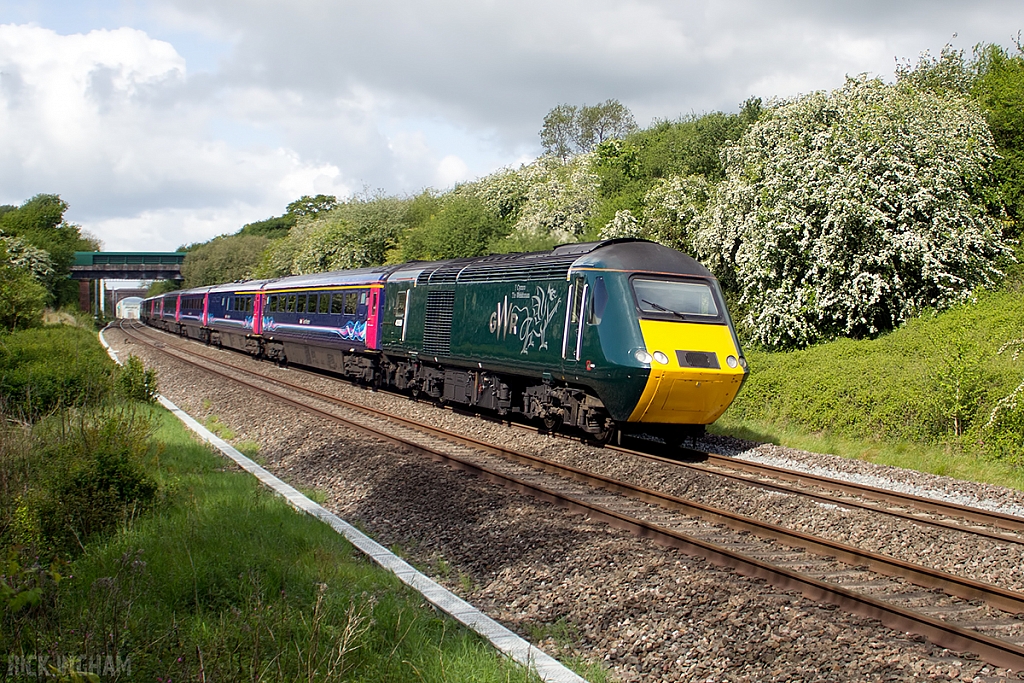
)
(676, 297)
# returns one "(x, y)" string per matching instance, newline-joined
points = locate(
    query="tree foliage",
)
(846, 213)
(999, 89)
(39, 223)
(463, 226)
(570, 130)
(159, 287)
(223, 259)
(354, 234)
(22, 299)
(995, 79)
(271, 228)
(306, 206)
(631, 169)
(546, 202)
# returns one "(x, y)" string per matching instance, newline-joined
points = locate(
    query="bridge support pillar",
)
(84, 300)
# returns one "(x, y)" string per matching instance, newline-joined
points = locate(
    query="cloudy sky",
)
(165, 122)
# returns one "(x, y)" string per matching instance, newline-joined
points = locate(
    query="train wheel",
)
(551, 423)
(603, 438)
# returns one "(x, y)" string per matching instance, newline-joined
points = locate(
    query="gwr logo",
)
(504, 320)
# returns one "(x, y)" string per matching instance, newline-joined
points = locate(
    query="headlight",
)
(642, 356)
(743, 362)
(661, 357)
(731, 361)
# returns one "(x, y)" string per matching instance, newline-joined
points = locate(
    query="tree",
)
(39, 222)
(846, 213)
(22, 296)
(223, 259)
(995, 78)
(311, 206)
(271, 228)
(561, 131)
(999, 88)
(462, 227)
(354, 234)
(162, 287)
(609, 120)
(572, 130)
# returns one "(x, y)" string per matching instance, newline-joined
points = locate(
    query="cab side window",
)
(598, 301)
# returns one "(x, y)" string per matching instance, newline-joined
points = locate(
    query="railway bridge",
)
(93, 268)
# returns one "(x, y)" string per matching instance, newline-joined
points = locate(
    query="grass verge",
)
(224, 581)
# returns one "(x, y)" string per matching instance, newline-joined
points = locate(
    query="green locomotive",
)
(621, 335)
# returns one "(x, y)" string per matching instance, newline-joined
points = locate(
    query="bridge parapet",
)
(125, 265)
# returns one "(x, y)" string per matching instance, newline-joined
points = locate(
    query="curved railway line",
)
(952, 611)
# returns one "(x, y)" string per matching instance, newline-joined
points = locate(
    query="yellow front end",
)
(679, 394)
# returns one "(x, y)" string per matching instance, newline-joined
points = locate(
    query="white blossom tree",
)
(846, 213)
(548, 201)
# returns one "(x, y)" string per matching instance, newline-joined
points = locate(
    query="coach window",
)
(337, 303)
(325, 303)
(351, 302)
(300, 304)
(272, 303)
(291, 303)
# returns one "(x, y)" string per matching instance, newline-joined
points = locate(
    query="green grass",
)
(919, 397)
(225, 581)
(939, 459)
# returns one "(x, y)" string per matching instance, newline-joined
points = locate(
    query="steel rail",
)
(977, 515)
(980, 515)
(998, 652)
(1001, 598)
(973, 514)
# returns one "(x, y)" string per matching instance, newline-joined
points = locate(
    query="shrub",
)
(44, 369)
(95, 477)
(135, 382)
(847, 213)
(22, 299)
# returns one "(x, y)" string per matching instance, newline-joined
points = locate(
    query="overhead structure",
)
(91, 268)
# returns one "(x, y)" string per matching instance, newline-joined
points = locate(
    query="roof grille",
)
(551, 268)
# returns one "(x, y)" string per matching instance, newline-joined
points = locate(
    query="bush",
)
(22, 299)
(44, 369)
(95, 477)
(845, 214)
(135, 382)
(463, 226)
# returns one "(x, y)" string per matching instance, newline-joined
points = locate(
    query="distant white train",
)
(129, 307)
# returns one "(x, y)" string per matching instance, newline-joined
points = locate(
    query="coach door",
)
(572, 337)
(372, 314)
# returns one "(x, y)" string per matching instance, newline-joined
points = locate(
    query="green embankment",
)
(201, 574)
(920, 397)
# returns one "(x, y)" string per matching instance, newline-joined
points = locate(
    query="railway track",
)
(967, 616)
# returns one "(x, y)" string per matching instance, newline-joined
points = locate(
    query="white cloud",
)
(107, 120)
(451, 170)
(314, 96)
